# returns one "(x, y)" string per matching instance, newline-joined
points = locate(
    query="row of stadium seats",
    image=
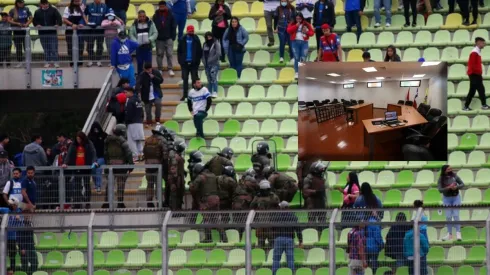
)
(468, 142)
(257, 93)
(239, 144)
(462, 88)
(461, 123)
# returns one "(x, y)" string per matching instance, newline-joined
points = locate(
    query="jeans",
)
(180, 19)
(95, 38)
(352, 18)
(377, 7)
(372, 261)
(423, 266)
(143, 55)
(300, 51)
(97, 172)
(269, 15)
(129, 74)
(286, 245)
(50, 47)
(121, 14)
(284, 39)
(212, 75)
(236, 61)
(158, 109)
(452, 214)
(476, 84)
(165, 48)
(198, 123)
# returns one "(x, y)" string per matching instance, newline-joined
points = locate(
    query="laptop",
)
(391, 118)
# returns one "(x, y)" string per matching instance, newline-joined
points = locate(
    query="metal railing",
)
(263, 231)
(99, 112)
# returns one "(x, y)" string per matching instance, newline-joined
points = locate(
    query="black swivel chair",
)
(361, 101)
(436, 151)
(409, 103)
(301, 103)
(310, 104)
(433, 113)
(427, 132)
(353, 102)
(326, 101)
(335, 101)
(423, 109)
(316, 102)
(401, 102)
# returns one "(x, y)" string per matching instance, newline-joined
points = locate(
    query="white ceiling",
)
(391, 71)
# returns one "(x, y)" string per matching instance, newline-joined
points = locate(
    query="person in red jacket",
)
(300, 31)
(330, 49)
(475, 76)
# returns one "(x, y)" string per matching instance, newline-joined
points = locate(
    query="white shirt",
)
(16, 190)
(199, 99)
(299, 33)
(271, 5)
(306, 13)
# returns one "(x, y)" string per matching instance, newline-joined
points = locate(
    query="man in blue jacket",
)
(95, 13)
(121, 59)
(408, 252)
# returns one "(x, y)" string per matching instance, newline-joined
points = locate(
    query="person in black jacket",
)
(97, 136)
(118, 100)
(48, 16)
(81, 153)
(394, 240)
(148, 86)
(189, 54)
(220, 14)
(165, 23)
(27, 248)
(120, 7)
(324, 13)
(134, 122)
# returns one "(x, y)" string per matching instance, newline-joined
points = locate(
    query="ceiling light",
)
(333, 82)
(418, 75)
(351, 80)
(431, 63)
(370, 69)
(310, 78)
(333, 74)
(380, 78)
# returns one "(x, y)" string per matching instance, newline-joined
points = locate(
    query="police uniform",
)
(314, 192)
(176, 181)
(283, 186)
(265, 200)
(154, 151)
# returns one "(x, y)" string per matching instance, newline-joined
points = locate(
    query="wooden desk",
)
(362, 111)
(387, 133)
(395, 108)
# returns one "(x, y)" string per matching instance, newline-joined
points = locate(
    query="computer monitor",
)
(390, 116)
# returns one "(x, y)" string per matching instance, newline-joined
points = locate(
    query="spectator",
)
(5, 174)
(119, 7)
(13, 221)
(475, 72)
(356, 247)
(284, 238)
(121, 58)
(81, 153)
(118, 100)
(62, 145)
(423, 227)
(12, 191)
(148, 86)
(134, 122)
(324, 14)
(407, 4)
(408, 248)
(74, 18)
(145, 33)
(34, 154)
(189, 53)
(25, 241)
(181, 10)
(165, 23)
(111, 25)
(394, 244)
(210, 58)
(48, 16)
(353, 11)
(377, 8)
(270, 7)
(220, 14)
(20, 16)
(5, 39)
(350, 194)
(465, 7)
(4, 141)
(95, 13)
(449, 185)
(29, 188)
(391, 55)
(330, 49)
(284, 14)
(300, 32)
(49, 154)
(366, 57)
(97, 136)
(199, 102)
(306, 7)
(234, 41)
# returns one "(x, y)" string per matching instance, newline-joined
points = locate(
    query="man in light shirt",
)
(13, 187)
(199, 101)
(270, 7)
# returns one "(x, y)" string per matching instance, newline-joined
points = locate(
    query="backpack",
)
(352, 242)
(374, 240)
(18, 160)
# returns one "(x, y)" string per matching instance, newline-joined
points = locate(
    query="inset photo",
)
(386, 111)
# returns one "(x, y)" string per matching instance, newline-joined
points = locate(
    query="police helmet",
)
(159, 130)
(229, 171)
(262, 148)
(318, 168)
(179, 145)
(250, 173)
(195, 156)
(264, 184)
(170, 135)
(119, 130)
(267, 171)
(227, 152)
(198, 168)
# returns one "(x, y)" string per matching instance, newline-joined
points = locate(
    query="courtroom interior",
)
(373, 111)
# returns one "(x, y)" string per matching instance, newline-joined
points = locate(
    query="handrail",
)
(98, 112)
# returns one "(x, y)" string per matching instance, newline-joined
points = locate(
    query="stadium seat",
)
(188, 129)
(354, 56)
(455, 255)
(243, 162)
(275, 62)
(482, 178)
(261, 59)
(262, 110)
(240, 9)
(236, 257)
(393, 198)
(248, 76)
(286, 76)
(254, 42)
(202, 10)
(172, 125)
(476, 255)
(385, 179)
(269, 127)
(275, 93)
(236, 93)
(405, 179)
(69, 240)
(74, 259)
(410, 196)
(267, 76)
(108, 239)
(288, 127)
(453, 21)
(276, 144)
(129, 239)
(459, 124)
(228, 77)
(281, 110)
(47, 241)
(148, 8)
(182, 112)
(432, 197)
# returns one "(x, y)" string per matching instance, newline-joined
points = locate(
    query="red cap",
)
(325, 26)
(190, 28)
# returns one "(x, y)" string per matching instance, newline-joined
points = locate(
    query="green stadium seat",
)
(304, 271)
(136, 258)
(54, 260)
(115, 258)
(450, 89)
(422, 39)
(405, 179)
(338, 165)
(195, 143)
(349, 40)
(292, 92)
(172, 125)
(219, 142)
(310, 236)
(472, 196)
(261, 59)
(411, 55)
(357, 165)
(376, 165)
(294, 111)
(288, 127)
(108, 239)
(462, 38)
(254, 42)
(276, 62)
(248, 76)
(267, 76)
(450, 54)
(211, 127)
(248, 24)
(145, 272)
(69, 240)
(403, 39)
(262, 110)
(316, 257)
(367, 176)
(455, 255)
(454, 106)
(263, 271)
(225, 271)
(396, 165)
(465, 269)
(476, 215)
(236, 93)
(238, 145)
(59, 272)
(462, 89)
(228, 77)
(243, 162)
(155, 259)
(252, 143)
(275, 93)
(74, 259)
(459, 124)
(469, 235)
(236, 257)
(188, 129)
(222, 110)
(476, 159)
(442, 38)
(415, 164)
(184, 271)
(101, 272)
(482, 178)
(445, 269)
(457, 72)
(466, 175)
(258, 257)
(205, 271)
(189, 239)
(434, 22)
(393, 198)
(99, 258)
(129, 239)
(457, 159)
(410, 196)
(299, 256)
(465, 52)
(197, 258)
(476, 255)
(480, 123)
(386, 179)
(283, 161)
(385, 39)
(182, 112)
(230, 128)
(276, 143)
(432, 197)
(177, 257)
(434, 164)
(47, 241)
(376, 55)
(269, 127)
(452, 141)
(256, 93)
(336, 198)
(281, 110)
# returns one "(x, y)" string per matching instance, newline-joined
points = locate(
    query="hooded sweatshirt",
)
(408, 245)
(111, 31)
(34, 155)
(98, 139)
(123, 50)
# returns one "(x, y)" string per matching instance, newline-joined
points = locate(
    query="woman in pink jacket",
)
(300, 31)
(112, 25)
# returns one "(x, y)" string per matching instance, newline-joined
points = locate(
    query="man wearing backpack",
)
(356, 246)
(13, 187)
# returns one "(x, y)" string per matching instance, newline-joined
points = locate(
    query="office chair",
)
(361, 101)
(401, 102)
(301, 103)
(326, 101)
(316, 102)
(427, 132)
(409, 103)
(436, 151)
(335, 101)
(353, 101)
(423, 109)
(310, 104)
(433, 113)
